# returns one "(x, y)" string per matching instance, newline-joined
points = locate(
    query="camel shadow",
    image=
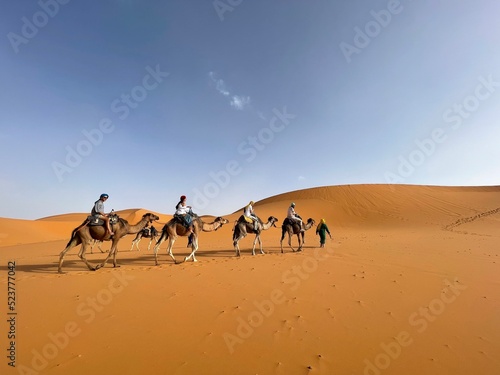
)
(144, 259)
(39, 268)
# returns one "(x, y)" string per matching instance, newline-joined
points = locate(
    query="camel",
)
(242, 227)
(174, 228)
(98, 243)
(84, 234)
(151, 234)
(294, 228)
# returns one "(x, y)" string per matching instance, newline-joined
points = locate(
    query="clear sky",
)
(229, 101)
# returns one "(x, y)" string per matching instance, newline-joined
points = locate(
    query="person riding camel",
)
(184, 213)
(294, 217)
(250, 214)
(98, 212)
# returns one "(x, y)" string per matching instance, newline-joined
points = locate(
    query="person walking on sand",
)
(98, 212)
(322, 230)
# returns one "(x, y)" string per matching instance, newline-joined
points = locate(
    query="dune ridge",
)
(346, 205)
(408, 285)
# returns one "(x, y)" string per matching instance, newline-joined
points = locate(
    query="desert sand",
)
(410, 284)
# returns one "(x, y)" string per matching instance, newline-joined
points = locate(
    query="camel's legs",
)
(81, 248)
(155, 249)
(237, 247)
(260, 243)
(236, 243)
(114, 257)
(300, 242)
(290, 241)
(74, 242)
(170, 246)
(257, 238)
(136, 241)
(194, 246)
(112, 253)
(157, 246)
(254, 243)
(150, 241)
(99, 243)
(242, 235)
(81, 254)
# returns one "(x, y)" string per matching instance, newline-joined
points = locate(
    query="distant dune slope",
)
(344, 206)
(373, 205)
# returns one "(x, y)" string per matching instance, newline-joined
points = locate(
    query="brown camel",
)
(294, 228)
(242, 227)
(174, 228)
(84, 234)
(152, 233)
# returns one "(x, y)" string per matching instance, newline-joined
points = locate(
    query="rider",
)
(249, 213)
(184, 211)
(98, 212)
(294, 217)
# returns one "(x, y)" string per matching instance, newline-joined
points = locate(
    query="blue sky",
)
(230, 101)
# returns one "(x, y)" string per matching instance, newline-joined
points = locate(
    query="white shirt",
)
(182, 209)
(248, 211)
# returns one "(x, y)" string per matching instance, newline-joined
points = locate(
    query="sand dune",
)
(409, 285)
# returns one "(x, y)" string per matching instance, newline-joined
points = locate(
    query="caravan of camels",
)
(100, 227)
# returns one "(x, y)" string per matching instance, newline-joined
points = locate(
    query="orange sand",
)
(410, 285)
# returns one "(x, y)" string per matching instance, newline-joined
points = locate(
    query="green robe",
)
(322, 230)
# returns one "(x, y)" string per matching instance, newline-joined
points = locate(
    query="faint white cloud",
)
(301, 178)
(240, 102)
(220, 86)
(236, 101)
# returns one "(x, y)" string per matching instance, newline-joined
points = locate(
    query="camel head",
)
(310, 221)
(150, 217)
(221, 221)
(272, 220)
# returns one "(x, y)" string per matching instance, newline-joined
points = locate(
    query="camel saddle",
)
(147, 232)
(250, 222)
(292, 222)
(185, 220)
(94, 221)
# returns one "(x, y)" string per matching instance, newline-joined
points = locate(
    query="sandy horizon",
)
(409, 285)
